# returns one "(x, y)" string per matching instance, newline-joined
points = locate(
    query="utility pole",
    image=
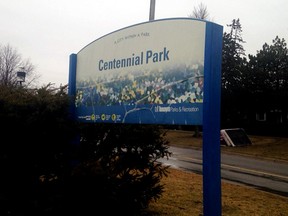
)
(152, 10)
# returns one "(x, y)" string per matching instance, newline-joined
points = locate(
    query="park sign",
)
(165, 71)
(149, 73)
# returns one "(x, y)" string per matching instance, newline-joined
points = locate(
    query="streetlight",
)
(21, 76)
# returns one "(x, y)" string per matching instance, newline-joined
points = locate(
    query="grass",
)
(183, 190)
(273, 148)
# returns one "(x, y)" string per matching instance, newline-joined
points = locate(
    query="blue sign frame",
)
(205, 112)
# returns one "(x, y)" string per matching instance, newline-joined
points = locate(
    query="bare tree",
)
(200, 12)
(11, 62)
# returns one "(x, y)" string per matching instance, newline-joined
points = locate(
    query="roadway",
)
(261, 174)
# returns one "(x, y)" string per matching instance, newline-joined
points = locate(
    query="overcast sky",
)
(48, 31)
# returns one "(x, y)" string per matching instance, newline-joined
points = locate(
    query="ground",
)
(183, 190)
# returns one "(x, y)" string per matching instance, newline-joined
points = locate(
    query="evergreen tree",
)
(270, 67)
(268, 80)
(232, 57)
(233, 76)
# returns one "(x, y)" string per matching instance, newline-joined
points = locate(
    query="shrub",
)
(127, 161)
(46, 169)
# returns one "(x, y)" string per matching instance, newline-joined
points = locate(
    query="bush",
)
(34, 151)
(46, 169)
(126, 158)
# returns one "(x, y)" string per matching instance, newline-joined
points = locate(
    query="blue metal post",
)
(211, 121)
(72, 93)
(72, 82)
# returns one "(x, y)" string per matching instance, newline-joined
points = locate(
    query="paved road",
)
(261, 174)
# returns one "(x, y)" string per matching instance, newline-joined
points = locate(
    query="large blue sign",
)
(159, 72)
(149, 73)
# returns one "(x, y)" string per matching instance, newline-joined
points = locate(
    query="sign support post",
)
(211, 125)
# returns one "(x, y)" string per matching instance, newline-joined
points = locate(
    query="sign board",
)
(152, 72)
(159, 72)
